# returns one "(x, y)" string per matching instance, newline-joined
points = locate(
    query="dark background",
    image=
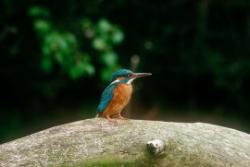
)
(57, 57)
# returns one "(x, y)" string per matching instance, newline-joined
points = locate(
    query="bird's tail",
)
(98, 115)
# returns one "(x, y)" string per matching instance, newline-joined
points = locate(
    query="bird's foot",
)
(109, 118)
(122, 118)
(111, 121)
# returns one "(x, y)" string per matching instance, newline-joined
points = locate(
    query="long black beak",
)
(140, 75)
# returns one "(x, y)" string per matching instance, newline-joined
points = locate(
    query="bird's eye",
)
(129, 75)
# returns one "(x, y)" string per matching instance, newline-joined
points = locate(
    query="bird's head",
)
(127, 76)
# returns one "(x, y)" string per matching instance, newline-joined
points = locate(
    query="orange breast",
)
(121, 96)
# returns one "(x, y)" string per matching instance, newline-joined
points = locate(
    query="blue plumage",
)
(108, 91)
(122, 76)
(106, 97)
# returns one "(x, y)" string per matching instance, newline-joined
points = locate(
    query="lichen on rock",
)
(97, 142)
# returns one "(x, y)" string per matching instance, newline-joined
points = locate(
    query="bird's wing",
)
(106, 97)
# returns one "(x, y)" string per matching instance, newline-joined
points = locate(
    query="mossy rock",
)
(98, 142)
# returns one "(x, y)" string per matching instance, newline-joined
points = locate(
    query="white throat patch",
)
(115, 81)
(130, 81)
(118, 80)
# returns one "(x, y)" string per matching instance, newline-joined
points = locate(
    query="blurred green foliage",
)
(72, 50)
(63, 53)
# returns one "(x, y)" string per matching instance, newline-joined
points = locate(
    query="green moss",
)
(174, 155)
(106, 162)
(145, 161)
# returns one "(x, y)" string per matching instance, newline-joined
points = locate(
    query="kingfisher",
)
(117, 94)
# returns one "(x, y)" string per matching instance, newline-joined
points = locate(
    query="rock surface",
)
(97, 142)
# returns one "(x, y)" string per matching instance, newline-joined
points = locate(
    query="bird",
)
(117, 94)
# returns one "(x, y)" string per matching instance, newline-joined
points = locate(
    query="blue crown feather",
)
(121, 73)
